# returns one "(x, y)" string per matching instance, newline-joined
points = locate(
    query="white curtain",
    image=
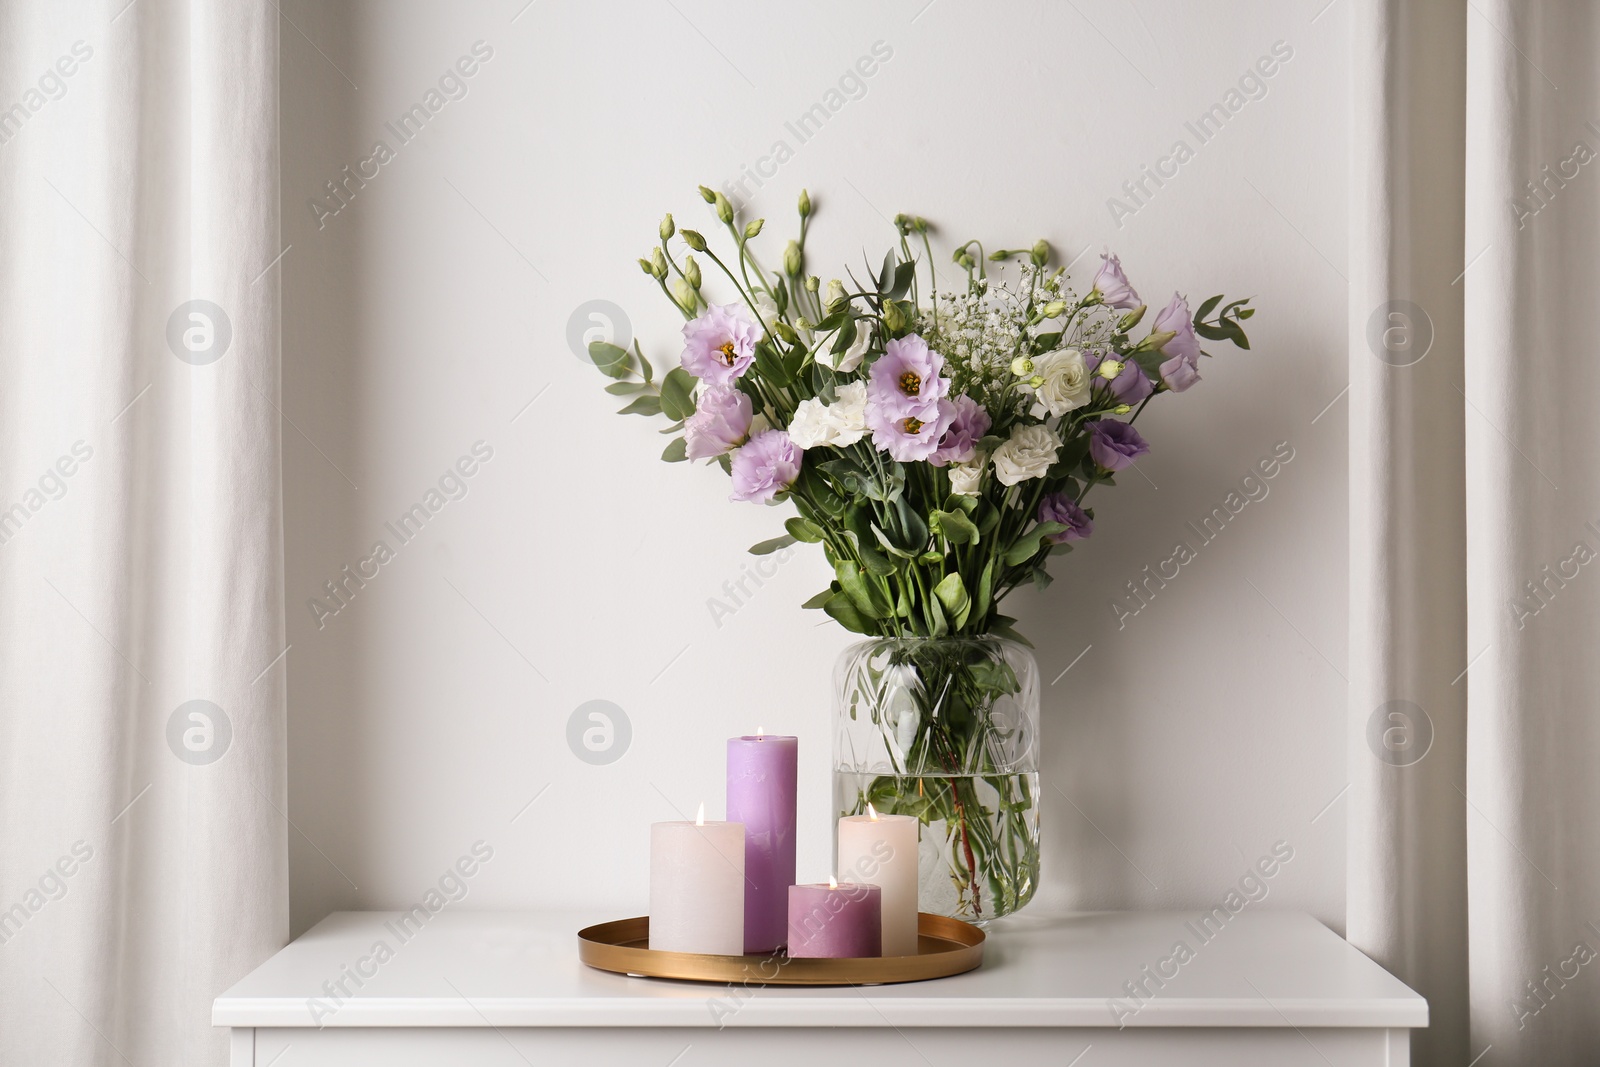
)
(1474, 857)
(144, 865)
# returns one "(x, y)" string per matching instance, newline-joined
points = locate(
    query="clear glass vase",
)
(946, 729)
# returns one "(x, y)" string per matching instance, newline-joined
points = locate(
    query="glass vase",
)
(946, 729)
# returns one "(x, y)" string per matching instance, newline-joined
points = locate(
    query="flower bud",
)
(753, 228)
(707, 195)
(691, 271)
(1022, 367)
(724, 209)
(684, 295)
(1121, 409)
(1131, 319)
(1054, 308)
(1156, 339)
(693, 240)
(668, 227)
(894, 316)
(813, 283)
(658, 263)
(1000, 255)
(835, 291)
(791, 259)
(644, 265)
(1040, 253)
(1109, 369)
(805, 204)
(902, 222)
(1036, 381)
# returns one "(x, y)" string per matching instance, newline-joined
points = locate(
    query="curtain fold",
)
(1474, 872)
(142, 757)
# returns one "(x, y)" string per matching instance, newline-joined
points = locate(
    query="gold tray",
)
(944, 947)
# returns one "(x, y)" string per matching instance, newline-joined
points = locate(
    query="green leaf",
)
(902, 280)
(845, 337)
(677, 451)
(803, 530)
(1211, 333)
(1002, 626)
(843, 611)
(1207, 308)
(766, 548)
(980, 605)
(648, 404)
(956, 527)
(625, 388)
(644, 364)
(1028, 547)
(770, 366)
(938, 625)
(820, 599)
(887, 272)
(677, 394)
(862, 591)
(953, 595)
(611, 359)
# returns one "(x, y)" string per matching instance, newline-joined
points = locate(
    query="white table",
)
(506, 988)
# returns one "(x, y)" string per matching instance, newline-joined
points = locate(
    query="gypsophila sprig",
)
(939, 445)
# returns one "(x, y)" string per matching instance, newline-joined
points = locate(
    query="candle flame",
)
(761, 732)
(700, 816)
(872, 812)
(832, 883)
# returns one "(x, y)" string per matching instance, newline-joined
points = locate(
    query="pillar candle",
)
(835, 921)
(761, 794)
(881, 850)
(697, 887)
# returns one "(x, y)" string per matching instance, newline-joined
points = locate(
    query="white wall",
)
(424, 315)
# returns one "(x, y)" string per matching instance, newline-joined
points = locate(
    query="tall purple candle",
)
(761, 794)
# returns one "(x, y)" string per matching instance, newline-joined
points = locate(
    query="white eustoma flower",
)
(1065, 383)
(1027, 453)
(844, 422)
(965, 478)
(811, 427)
(767, 309)
(851, 357)
(847, 415)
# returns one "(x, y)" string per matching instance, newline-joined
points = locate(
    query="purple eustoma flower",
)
(720, 344)
(1175, 319)
(1130, 386)
(765, 466)
(905, 382)
(967, 427)
(1059, 507)
(1112, 285)
(721, 421)
(913, 437)
(1115, 445)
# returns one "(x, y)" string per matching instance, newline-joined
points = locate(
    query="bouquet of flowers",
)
(938, 445)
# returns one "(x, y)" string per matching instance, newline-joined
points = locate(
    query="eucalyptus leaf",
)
(625, 388)
(647, 404)
(803, 530)
(766, 548)
(843, 611)
(677, 394)
(677, 451)
(610, 359)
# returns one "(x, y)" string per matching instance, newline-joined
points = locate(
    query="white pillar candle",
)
(881, 850)
(697, 887)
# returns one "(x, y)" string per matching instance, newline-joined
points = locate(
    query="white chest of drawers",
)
(1097, 990)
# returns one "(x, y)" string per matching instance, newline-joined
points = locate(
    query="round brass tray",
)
(945, 947)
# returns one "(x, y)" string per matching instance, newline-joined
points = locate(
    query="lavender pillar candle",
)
(835, 921)
(761, 794)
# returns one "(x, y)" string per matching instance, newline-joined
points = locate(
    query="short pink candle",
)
(835, 921)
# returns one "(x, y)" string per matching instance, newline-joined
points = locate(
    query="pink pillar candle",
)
(761, 794)
(835, 921)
